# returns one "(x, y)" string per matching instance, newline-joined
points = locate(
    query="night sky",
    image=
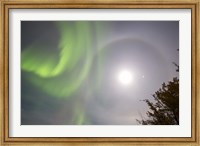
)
(94, 72)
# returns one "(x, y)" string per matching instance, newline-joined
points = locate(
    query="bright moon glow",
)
(125, 77)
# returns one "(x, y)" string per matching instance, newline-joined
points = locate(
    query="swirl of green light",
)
(60, 75)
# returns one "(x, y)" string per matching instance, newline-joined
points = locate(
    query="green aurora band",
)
(61, 73)
(60, 78)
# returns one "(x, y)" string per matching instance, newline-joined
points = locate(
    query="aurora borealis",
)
(69, 69)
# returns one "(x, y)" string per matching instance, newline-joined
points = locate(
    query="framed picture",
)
(104, 72)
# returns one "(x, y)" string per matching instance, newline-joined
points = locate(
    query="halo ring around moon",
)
(107, 50)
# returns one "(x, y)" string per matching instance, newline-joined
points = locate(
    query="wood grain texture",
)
(6, 4)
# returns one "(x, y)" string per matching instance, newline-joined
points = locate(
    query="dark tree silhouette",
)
(165, 109)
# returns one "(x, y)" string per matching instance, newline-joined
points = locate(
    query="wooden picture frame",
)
(6, 5)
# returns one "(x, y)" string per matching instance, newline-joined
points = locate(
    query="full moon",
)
(125, 77)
